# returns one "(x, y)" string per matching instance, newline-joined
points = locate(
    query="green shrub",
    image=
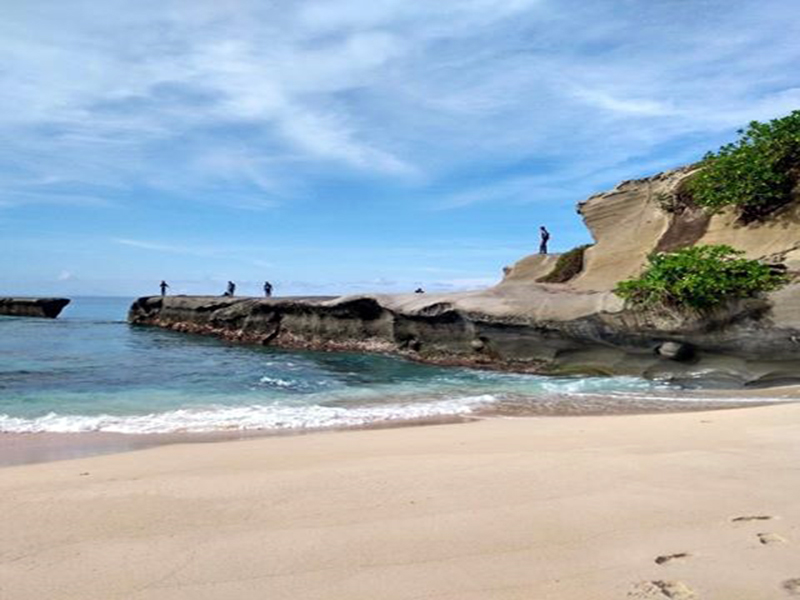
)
(567, 266)
(755, 173)
(700, 277)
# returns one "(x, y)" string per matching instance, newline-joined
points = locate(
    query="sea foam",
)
(253, 417)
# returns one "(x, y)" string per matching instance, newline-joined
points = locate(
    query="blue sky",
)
(351, 145)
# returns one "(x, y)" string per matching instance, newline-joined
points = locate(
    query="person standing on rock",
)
(163, 285)
(231, 289)
(544, 237)
(267, 289)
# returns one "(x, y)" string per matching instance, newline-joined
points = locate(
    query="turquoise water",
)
(90, 371)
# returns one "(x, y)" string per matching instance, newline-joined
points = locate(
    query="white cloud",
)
(40, 195)
(260, 98)
(464, 283)
(624, 105)
(157, 247)
(247, 255)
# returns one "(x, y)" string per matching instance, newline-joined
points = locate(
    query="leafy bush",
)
(567, 266)
(700, 277)
(755, 173)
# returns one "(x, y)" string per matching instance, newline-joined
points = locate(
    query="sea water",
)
(89, 370)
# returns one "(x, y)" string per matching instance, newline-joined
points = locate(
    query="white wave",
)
(594, 385)
(253, 417)
(278, 382)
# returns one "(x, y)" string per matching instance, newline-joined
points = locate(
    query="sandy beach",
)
(690, 505)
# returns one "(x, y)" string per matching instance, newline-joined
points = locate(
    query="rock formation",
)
(577, 326)
(32, 307)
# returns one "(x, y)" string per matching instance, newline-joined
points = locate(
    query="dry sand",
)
(693, 505)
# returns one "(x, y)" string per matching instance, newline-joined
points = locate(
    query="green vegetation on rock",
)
(756, 174)
(567, 266)
(700, 278)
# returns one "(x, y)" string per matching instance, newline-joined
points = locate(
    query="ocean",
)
(89, 371)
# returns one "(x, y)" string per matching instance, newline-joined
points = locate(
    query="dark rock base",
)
(731, 348)
(48, 308)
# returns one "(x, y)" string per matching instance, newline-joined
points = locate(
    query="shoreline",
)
(17, 449)
(701, 504)
(21, 448)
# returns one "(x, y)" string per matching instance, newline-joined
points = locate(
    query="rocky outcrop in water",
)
(572, 327)
(738, 345)
(32, 307)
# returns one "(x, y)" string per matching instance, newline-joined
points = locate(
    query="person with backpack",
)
(544, 238)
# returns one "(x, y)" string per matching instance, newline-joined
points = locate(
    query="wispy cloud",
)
(158, 247)
(233, 253)
(173, 112)
(624, 105)
(565, 183)
(13, 197)
(389, 88)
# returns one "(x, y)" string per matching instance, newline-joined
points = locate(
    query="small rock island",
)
(48, 308)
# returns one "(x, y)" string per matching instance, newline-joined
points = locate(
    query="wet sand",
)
(682, 506)
(27, 448)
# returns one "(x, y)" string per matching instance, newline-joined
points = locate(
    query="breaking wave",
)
(241, 418)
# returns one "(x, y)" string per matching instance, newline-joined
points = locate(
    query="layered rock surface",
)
(578, 326)
(32, 307)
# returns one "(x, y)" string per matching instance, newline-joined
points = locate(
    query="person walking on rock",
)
(544, 237)
(163, 285)
(267, 289)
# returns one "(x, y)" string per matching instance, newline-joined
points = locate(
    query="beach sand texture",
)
(691, 505)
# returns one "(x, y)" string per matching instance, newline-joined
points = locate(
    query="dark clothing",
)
(267, 289)
(163, 287)
(545, 237)
(231, 289)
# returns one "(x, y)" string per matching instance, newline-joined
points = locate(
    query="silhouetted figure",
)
(419, 291)
(545, 237)
(231, 289)
(163, 285)
(267, 289)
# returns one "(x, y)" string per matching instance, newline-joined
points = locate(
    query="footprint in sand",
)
(674, 590)
(665, 558)
(770, 538)
(750, 518)
(792, 586)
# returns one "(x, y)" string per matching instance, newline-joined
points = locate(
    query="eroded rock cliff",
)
(578, 326)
